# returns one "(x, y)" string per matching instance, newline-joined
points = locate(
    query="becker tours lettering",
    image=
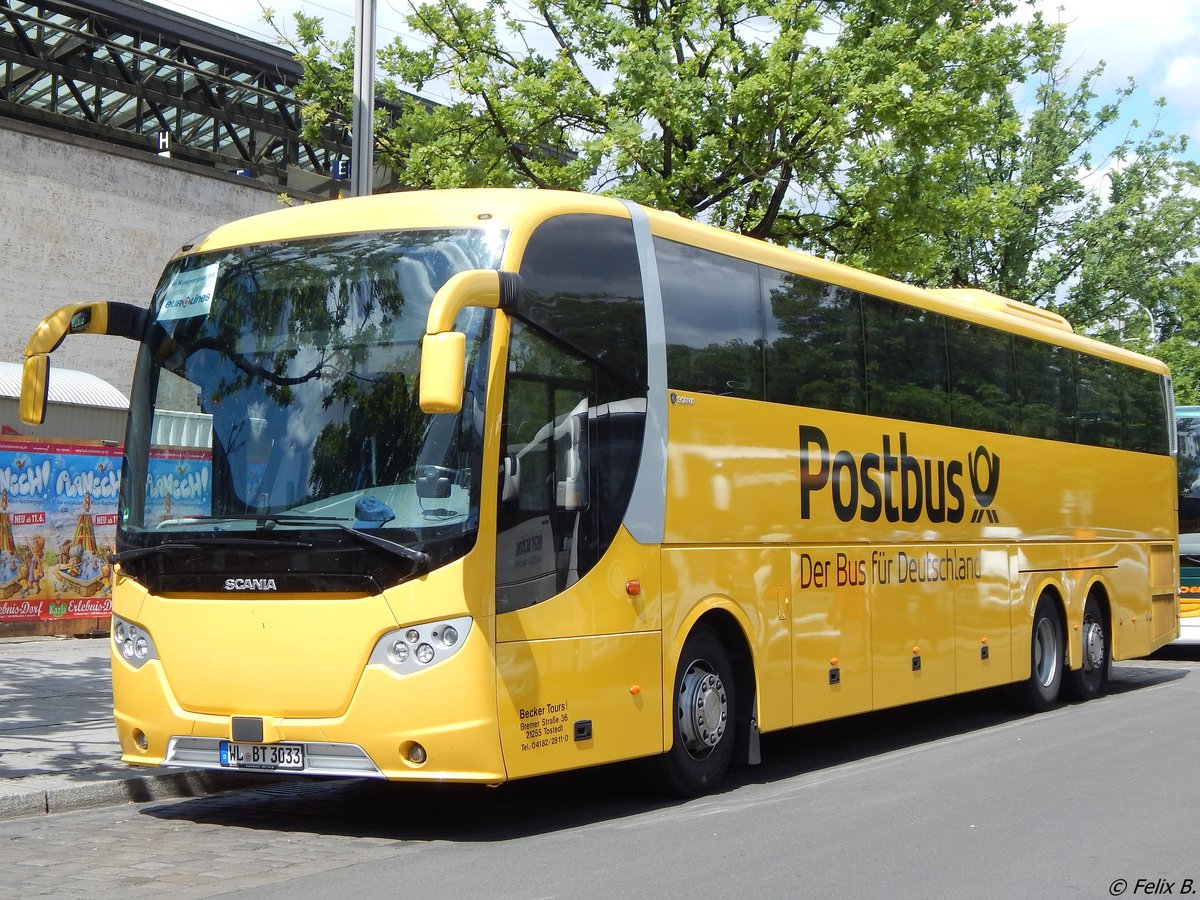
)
(895, 484)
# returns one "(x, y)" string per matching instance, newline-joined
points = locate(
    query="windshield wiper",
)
(139, 552)
(264, 520)
(215, 539)
(419, 558)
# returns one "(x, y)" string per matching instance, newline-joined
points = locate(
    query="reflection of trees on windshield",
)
(306, 357)
(377, 442)
(296, 325)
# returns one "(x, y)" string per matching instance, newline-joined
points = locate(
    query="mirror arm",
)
(478, 287)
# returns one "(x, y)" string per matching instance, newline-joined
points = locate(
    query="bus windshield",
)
(1187, 429)
(276, 419)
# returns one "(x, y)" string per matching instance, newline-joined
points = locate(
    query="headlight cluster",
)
(133, 642)
(420, 646)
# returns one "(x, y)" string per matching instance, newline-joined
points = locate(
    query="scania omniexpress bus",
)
(1187, 425)
(499, 483)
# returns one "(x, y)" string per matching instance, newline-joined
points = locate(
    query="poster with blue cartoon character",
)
(58, 517)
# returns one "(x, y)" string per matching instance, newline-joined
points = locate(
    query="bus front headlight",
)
(418, 647)
(132, 642)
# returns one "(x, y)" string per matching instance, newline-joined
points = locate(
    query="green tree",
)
(936, 141)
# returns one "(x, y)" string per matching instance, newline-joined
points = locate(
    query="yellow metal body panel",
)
(548, 688)
(753, 585)
(591, 653)
(910, 620)
(833, 608)
(301, 665)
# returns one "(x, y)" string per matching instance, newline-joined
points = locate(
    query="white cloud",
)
(1183, 75)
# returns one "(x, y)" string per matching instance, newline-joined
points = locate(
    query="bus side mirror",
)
(443, 351)
(35, 388)
(443, 372)
(121, 319)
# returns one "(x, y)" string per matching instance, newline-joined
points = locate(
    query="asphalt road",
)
(955, 799)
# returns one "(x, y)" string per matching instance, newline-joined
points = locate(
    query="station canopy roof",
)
(67, 386)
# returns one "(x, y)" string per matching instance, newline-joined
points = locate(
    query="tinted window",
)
(906, 362)
(1146, 412)
(1098, 390)
(983, 390)
(814, 343)
(1047, 390)
(713, 321)
(581, 281)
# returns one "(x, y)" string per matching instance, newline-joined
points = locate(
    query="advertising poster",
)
(58, 520)
(179, 485)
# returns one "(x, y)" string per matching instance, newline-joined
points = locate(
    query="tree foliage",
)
(936, 141)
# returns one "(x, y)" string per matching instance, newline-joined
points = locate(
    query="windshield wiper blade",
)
(263, 519)
(217, 540)
(419, 558)
(139, 552)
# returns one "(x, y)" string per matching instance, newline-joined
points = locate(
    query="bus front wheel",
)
(1085, 682)
(1040, 690)
(703, 716)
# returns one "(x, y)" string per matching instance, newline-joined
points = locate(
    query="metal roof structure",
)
(130, 73)
(67, 386)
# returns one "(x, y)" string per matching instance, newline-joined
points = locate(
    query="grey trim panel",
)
(645, 517)
(320, 759)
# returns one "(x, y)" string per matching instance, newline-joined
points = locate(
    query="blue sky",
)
(1156, 42)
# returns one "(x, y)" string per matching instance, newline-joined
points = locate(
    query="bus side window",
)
(907, 372)
(814, 343)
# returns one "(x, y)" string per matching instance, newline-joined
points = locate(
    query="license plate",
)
(262, 756)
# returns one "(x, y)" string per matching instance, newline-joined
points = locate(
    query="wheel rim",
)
(703, 709)
(1093, 644)
(1045, 652)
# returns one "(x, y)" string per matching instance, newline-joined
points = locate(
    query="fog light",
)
(416, 754)
(139, 738)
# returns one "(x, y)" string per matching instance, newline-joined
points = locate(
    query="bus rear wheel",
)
(1086, 682)
(704, 718)
(1040, 690)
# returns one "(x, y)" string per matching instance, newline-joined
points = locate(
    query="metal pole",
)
(362, 126)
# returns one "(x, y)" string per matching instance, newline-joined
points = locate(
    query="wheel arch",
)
(1098, 589)
(727, 621)
(1053, 588)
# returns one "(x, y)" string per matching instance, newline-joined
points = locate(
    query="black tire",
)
(704, 719)
(1040, 691)
(1087, 681)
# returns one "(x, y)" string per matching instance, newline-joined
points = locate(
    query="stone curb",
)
(132, 789)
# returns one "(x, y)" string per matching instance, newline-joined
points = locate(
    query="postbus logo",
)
(893, 484)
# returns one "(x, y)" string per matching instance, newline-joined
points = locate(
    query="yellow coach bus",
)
(498, 483)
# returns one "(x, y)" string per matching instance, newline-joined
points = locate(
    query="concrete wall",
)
(82, 220)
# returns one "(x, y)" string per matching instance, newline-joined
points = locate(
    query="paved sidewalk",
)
(58, 744)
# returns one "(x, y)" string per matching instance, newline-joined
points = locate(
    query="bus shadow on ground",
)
(550, 803)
